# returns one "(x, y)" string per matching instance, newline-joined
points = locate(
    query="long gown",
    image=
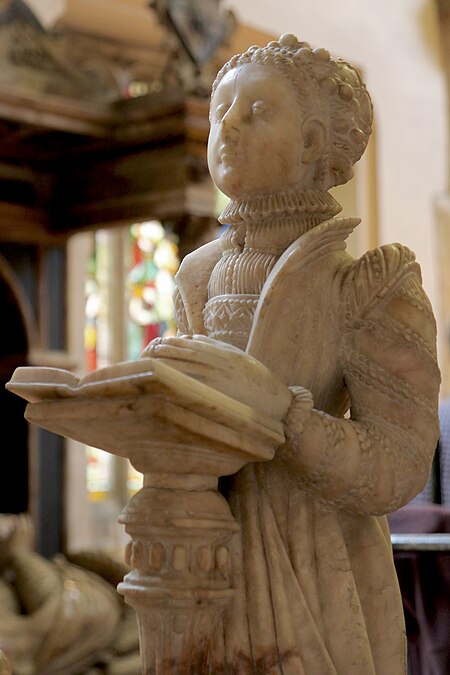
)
(316, 590)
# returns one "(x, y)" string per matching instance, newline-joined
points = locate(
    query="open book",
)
(132, 380)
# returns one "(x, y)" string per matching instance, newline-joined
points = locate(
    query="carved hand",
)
(225, 368)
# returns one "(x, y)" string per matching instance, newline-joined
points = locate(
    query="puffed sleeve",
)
(379, 458)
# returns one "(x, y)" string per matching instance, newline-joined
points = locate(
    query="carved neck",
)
(308, 207)
(260, 229)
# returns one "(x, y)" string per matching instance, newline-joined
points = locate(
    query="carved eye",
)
(220, 111)
(260, 108)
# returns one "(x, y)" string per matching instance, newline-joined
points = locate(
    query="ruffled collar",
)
(313, 206)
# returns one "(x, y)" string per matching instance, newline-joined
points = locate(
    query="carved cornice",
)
(78, 110)
(34, 60)
(84, 66)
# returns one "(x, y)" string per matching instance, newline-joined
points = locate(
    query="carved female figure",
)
(354, 340)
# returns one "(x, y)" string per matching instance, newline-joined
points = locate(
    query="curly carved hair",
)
(330, 87)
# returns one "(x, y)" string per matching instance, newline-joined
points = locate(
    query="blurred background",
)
(104, 188)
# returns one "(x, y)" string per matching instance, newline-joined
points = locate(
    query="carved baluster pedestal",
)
(180, 585)
(181, 434)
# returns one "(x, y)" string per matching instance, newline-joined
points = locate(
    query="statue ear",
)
(314, 139)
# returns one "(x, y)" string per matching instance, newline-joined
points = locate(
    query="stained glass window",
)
(152, 261)
(129, 285)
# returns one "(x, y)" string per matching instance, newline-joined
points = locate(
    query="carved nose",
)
(230, 131)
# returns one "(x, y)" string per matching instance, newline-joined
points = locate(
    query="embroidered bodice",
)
(260, 229)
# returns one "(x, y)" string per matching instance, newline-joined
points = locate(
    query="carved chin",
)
(230, 182)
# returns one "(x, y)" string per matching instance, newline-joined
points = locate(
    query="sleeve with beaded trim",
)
(379, 458)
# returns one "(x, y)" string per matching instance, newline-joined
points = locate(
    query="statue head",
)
(286, 116)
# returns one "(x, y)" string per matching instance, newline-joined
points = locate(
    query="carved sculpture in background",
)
(5, 666)
(305, 376)
(60, 616)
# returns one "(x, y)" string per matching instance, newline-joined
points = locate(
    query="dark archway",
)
(14, 473)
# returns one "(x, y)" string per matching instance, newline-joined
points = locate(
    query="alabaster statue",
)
(354, 340)
(304, 379)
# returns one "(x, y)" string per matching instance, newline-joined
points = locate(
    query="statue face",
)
(259, 142)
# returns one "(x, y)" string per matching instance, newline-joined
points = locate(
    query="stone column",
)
(180, 583)
(442, 210)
